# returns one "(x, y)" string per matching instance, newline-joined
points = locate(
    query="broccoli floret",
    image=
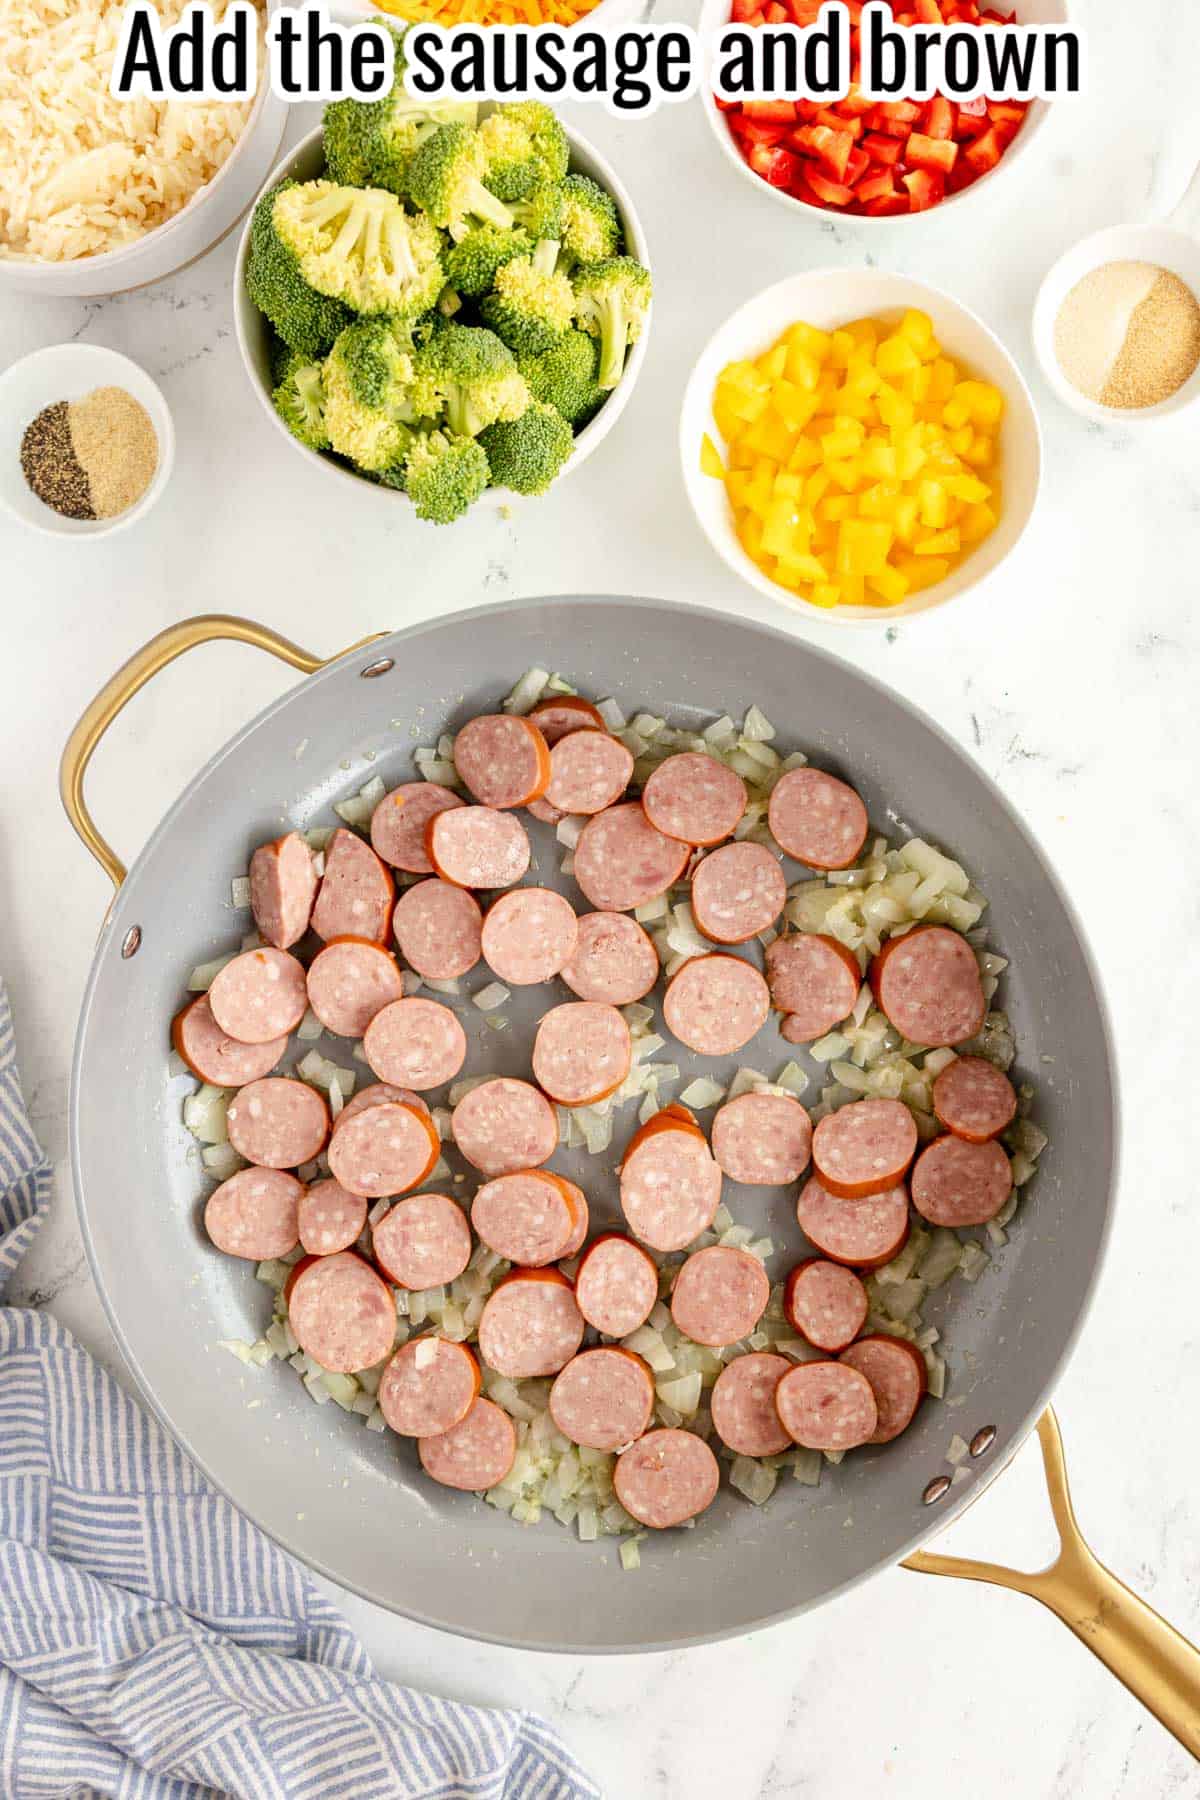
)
(442, 475)
(527, 453)
(279, 358)
(524, 145)
(299, 399)
(541, 212)
(320, 252)
(369, 143)
(471, 375)
(565, 376)
(368, 405)
(471, 265)
(445, 179)
(530, 306)
(590, 227)
(612, 298)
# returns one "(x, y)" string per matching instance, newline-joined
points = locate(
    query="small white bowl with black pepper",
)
(76, 460)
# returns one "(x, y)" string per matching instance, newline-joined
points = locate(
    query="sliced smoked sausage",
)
(343, 1315)
(259, 996)
(826, 1303)
(529, 934)
(438, 929)
(720, 1294)
(955, 1182)
(559, 714)
(213, 1055)
(477, 847)
(898, 1378)
(329, 1219)
(384, 1149)
(529, 1217)
(826, 1406)
(974, 1099)
(666, 1478)
(864, 1234)
(349, 981)
(614, 960)
(398, 823)
(505, 1125)
(582, 1052)
(743, 1404)
(622, 861)
(603, 1399)
(670, 1184)
(429, 1386)
(864, 1147)
(817, 819)
(254, 1214)
(714, 1004)
(762, 1139)
(503, 759)
(283, 885)
(356, 893)
(474, 1454)
(530, 1324)
(423, 1242)
(277, 1122)
(616, 1285)
(589, 770)
(694, 797)
(927, 983)
(415, 1043)
(737, 891)
(814, 980)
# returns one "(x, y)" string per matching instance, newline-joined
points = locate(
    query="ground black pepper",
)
(51, 467)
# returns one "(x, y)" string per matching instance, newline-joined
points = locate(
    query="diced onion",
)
(493, 995)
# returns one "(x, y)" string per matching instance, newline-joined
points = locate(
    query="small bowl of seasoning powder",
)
(1116, 324)
(86, 440)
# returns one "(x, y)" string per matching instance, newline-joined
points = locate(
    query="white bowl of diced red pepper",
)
(876, 162)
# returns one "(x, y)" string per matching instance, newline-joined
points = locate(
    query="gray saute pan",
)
(352, 1503)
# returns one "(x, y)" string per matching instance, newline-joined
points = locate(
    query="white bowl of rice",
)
(99, 195)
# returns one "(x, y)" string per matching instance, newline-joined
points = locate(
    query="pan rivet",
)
(377, 668)
(983, 1440)
(937, 1487)
(132, 942)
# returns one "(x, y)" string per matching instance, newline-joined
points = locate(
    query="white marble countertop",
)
(1072, 680)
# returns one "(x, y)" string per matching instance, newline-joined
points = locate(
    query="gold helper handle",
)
(129, 680)
(1153, 1660)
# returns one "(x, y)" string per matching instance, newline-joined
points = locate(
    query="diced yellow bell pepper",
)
(942, 379)
(772, 365)
(826, 593)
(879, 461)
(771, 437)
(804, 454)
(815, 486)
(783, 535)
(844, 475)
(790, 403)
(788, 485)
(977, 522)
(888, 585)
(939, 543)
(803, 369)
(853, 590)
(895, 409)
(844, 440)
(896, 356)
(931, 498)
(863, 545)
(710, 459)
(917, 327)
(807, 568)
(968, 488)
(984, 403)
(836, 507)
(841, 349)
(904, 519)
(810, 339)
(961, 441)
(750, 535)
(879, 501)
(955, 413)
(865, 333)
(982, 452)
(922, 572)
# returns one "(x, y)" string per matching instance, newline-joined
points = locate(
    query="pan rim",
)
(941, 1519)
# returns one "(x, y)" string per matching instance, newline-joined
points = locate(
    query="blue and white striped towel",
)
(153, 1644)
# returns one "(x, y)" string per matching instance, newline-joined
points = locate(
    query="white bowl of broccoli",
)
(442, 301)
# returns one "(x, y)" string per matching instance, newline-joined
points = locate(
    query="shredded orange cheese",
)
(490, 12)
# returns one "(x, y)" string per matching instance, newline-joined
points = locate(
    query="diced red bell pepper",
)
(877, 120)
(930, 153)
(830, 193)
(879, 186)
(1007, 116)
(907, 110)
(886, 150)
(924, 189)
(828, 116)
(770, 112)
(744, 10)
(854, 103)
(805, 12)
(857, 165)
(984, 152)
(886, 208)
(831, 148)
(777, 14)
(778, 167)
(928, 12)
(939, 118)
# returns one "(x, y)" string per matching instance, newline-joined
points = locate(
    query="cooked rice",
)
(82, 172)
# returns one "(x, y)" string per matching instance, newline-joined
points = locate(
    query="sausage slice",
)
(864, 1234)
(278, 1123)
(415, 1043)
(817, 819)
(826, 1303)
(259, 996)
(622, 861)
(898, 1378)
(529, 934)
(826, 1406)
(616, 1285)
(503, 759)
(351, 980)
(864, 1147)
(213, 1055)
(505, 1125)
(283, 885)
(974, 1099)
(720, 1294)
(737, 891)
(474, 1454)
(423, 1242)
(530, 1324)
(429, 1386)
(254, 1214)
(582, 1052)
(762, 1139)
(343, 1315)
(398, 823)
(955, 1182)
(927, 983)
(694, 797)
(814, 980)
(715, 1004)
(666, 1478)
(356, 893)
(743, 1404)
(438, 929)
(477, 847)
(614, 960)
(603, 1399)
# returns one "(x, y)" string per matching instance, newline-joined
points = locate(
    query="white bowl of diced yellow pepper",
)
(860, 444)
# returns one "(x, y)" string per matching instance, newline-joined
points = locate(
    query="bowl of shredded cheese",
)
(99, 195)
